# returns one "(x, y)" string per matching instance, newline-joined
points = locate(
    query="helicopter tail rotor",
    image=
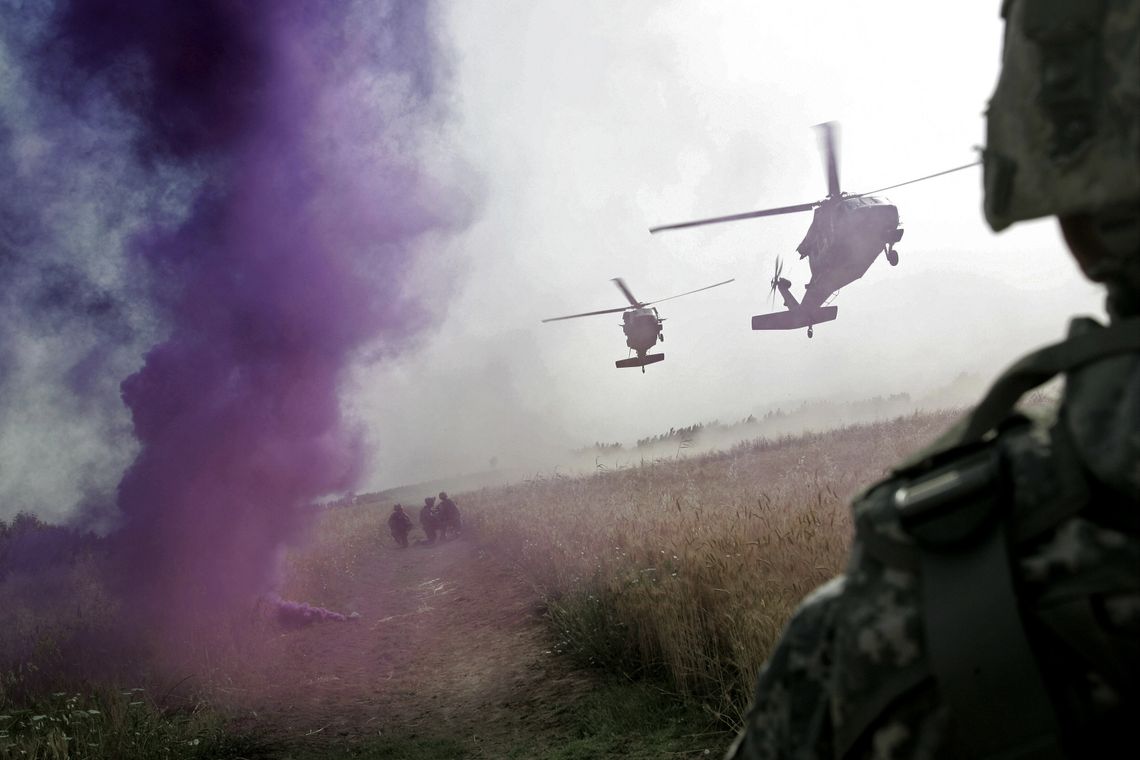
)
(830, 157)
(774, 284)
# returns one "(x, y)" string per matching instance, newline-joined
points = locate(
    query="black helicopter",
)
(847, 234)
(641, 324)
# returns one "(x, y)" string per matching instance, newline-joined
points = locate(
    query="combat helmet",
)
(1063, 125)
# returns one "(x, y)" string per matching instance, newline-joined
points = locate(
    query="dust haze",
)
(579, 126)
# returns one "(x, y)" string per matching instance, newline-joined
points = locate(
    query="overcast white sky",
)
(592, 120)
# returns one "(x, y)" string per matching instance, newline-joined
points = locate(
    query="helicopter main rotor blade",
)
(828, 128)
(698, 290)
(588, 314)
(736, 217)
(628, 294)
(921, 179)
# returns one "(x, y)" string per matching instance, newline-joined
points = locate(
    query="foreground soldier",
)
(400, 525)
(991, 606)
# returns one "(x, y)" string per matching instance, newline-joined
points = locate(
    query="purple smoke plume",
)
(296, 128)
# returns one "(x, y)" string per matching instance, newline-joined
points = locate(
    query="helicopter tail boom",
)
(793, 319)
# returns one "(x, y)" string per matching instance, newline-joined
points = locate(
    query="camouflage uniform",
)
(853, 675)
(991, 604)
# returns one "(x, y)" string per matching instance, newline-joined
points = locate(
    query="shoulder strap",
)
(953, 500)
(976, 643)
(1041, 366)
(985, 670)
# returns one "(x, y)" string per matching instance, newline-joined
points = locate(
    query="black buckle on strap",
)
(952, 503)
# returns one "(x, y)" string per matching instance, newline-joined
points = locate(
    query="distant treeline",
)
(685, 436)
(598, 446)
(350, 499)
(689, 434)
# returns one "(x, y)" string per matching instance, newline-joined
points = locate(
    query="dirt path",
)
(448, 643)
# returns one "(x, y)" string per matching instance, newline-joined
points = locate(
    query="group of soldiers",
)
(439, 521)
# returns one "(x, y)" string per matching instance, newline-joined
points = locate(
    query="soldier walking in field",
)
(448, 517)
(991, 605)
(400, 525)
(429, 521)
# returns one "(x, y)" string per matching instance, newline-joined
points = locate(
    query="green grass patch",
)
(618, 719)
(125, 725)
(631, 720)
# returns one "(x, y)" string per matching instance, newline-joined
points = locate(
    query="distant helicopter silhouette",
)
(640, 323)
(847, 233)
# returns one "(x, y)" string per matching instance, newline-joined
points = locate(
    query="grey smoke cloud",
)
(71, 325)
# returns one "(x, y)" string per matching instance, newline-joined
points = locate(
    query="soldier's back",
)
(996, 581)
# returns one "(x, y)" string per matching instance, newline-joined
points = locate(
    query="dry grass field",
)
(676, 574)
(687, 569)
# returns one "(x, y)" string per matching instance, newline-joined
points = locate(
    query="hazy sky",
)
(591, 121)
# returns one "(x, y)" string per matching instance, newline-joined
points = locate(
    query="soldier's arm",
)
(790, 715)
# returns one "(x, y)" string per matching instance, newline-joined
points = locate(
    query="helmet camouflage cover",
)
(1063, 125)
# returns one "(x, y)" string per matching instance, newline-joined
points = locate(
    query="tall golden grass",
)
(684, 568)
(322, 570)
(688, 569)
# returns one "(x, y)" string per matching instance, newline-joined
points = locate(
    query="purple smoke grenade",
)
(302, 122)
(299, 614)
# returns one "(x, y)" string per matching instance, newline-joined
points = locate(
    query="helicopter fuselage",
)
(642, 329)
(640, 323)
(846, 235)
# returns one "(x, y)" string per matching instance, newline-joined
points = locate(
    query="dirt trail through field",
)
(448, 644)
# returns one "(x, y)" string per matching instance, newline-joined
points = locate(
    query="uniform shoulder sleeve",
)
(790, 714)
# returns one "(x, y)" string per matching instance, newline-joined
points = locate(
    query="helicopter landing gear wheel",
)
(810, 331)
(892, 257)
